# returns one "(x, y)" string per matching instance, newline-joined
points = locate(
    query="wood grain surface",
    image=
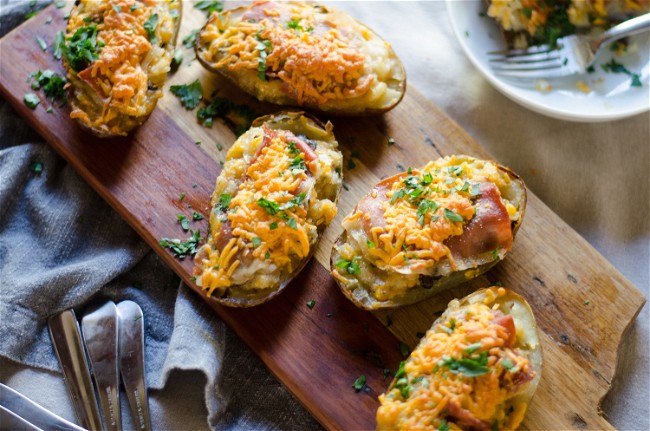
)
(582, 304)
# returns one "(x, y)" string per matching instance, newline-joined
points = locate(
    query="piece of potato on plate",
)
(302, 54)
(477, 368)
(117, 54)
(274, 197)
(426, 230)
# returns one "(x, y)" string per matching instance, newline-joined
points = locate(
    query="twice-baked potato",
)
(300, 54)
(535, 22)
(275, 195)
(117, 54)
(426, 230)
(476, 369)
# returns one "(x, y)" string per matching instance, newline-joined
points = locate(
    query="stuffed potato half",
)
(426, 230)
(477, 368)
(301, 54)
(117, 54)
(274, 197)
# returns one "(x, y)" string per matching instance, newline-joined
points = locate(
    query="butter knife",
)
(17, 412)
(100, 335)
(66, 337)
(131, 340)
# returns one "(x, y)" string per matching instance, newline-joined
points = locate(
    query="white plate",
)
(611, 95)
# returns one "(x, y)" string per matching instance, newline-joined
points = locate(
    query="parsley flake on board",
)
(37, 167)
(82, 48)
(31, 100)
(189, 94)
(182, 249)
(359, 383)
(41, 42)
(51, 83)
(59, 45)
(311, 304)
(196, 216)
(184, 222)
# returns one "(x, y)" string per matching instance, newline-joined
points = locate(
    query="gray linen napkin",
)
(62, 246)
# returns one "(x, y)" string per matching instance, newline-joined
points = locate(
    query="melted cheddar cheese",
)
(264, 225)
(133, 58)
(315, 61)
(463, 375)
(401, 227)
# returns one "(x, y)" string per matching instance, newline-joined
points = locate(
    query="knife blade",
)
(131, 340)
(100, 335)
(19, 412)
(66, 338)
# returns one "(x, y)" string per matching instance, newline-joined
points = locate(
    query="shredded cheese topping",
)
(268, 217)
(315, 61)
(128, 64)
(462, 374)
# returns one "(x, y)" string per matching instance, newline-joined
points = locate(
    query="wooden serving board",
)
(583, 305)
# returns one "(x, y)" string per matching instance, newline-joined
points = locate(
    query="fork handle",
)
(627, 28)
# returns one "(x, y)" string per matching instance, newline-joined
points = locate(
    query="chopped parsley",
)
(184, 221)
(350, 266)
(51, 83)
(82, 48)
(41, 42)
(265, 48)
(452, 216)
(404, 350)
(295, 25)
(196, 216)
(59, 45)
(181, 197)
(292, 223)
(351, 164)
(117, 8)
(468, 367)
(507, 364)
(615, 67)
(271, 207)
(426, 206)
(182, 249)
(31, 100)
(273, 225)
(359, 383)
(190, 39)
(224, 201)
(37, 167)
(189, 94)
(256, 241)
(297, 165)
(294, 202)
(237, 117)
(311, 304)
(370, 244)
(209, 6)
(134, 7)
(177, 60)
(444, 426)
(150, 27)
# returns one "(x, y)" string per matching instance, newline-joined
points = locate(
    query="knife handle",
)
(131, 340)
(66, 338)
(100, 331)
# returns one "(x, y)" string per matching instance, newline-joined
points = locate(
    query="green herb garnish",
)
(256, 241)
(350, 266)
(452, 216)
(190, 39)
(31, 100)
(292, 223)
(209, 6)
(224, 201)
(150, 27)
(37, 167)
(615, 67)
(271, 207)
(359, 383)
(196, 216)
(311, 304)
(59, 45)
(182, 249)
(467, 366)
(51, 83)
(189, 94)
(41, 42)
(82, 48)
(184, 221)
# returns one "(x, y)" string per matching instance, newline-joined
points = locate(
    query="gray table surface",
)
(561, 162)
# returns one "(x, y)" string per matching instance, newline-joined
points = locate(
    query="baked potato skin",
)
(262, 278)
(361, 288)
(92, 104)
(381, 65)
(520, 343)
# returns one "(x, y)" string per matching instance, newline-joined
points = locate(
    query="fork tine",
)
(557, 72)
(528, 51)
(546, 56)
(523, 67)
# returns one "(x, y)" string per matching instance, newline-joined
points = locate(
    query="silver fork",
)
(573, 54)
